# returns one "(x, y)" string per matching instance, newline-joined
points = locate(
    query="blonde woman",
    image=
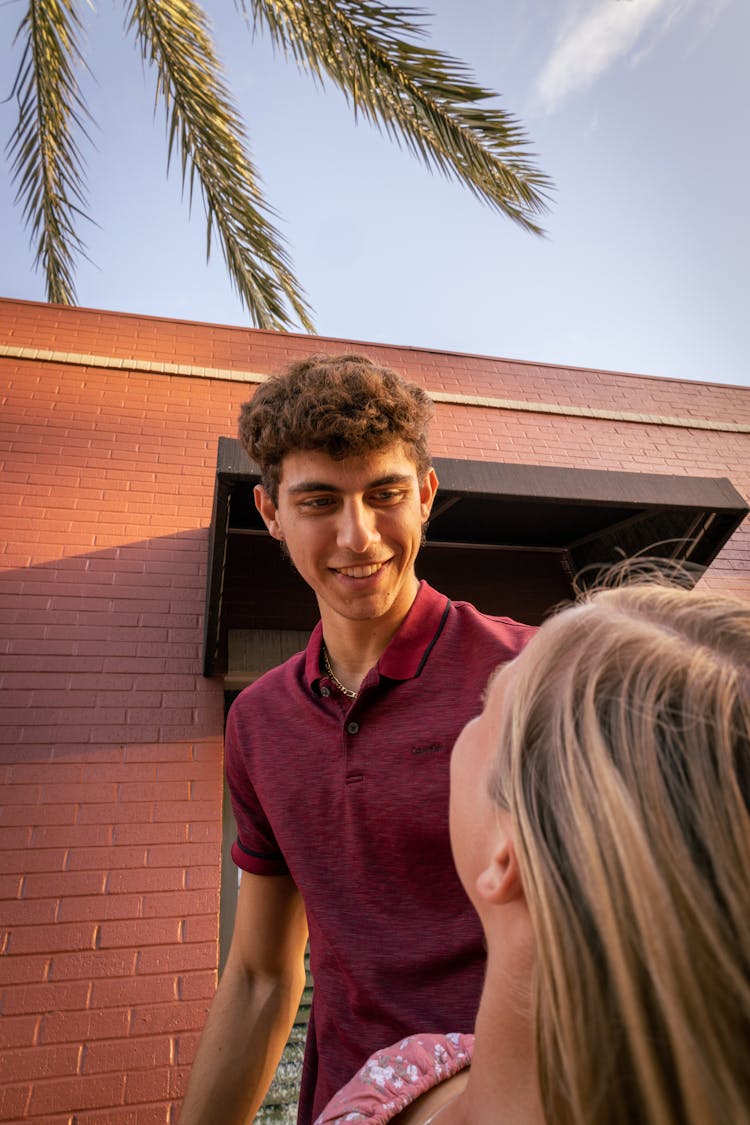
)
(600, 825)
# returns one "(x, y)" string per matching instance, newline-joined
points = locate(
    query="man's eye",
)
(316, 503)
(387, 495)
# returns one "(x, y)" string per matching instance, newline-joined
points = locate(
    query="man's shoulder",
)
(467, 616)
(482, 640)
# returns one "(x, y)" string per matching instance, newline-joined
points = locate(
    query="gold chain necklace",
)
(347, 691)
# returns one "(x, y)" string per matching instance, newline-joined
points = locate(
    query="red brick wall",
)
(111, 738)
(110, 825)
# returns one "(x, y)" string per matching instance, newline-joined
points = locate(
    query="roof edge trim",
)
(154, 367)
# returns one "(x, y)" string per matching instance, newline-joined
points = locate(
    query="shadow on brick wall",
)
(110, 830)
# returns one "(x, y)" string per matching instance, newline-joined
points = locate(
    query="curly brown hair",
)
(343, 405)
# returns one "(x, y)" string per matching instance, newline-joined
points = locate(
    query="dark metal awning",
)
(509, 538)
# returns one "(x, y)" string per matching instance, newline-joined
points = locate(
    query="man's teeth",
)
(360, 571)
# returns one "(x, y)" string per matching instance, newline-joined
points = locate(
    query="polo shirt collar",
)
(419, 630)
(408, 649)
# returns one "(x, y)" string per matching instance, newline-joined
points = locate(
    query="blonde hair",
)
(625, 762)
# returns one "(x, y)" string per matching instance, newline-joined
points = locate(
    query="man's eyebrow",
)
(326, 486)
(313, 486)
(391, 478)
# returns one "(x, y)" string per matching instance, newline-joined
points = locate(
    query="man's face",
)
(353, 528)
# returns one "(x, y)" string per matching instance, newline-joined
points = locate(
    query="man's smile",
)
(364, 570)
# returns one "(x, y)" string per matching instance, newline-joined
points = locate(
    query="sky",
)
(637, 109)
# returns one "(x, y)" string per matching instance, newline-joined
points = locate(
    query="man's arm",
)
(254, 1007)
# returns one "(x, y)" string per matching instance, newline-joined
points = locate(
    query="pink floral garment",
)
(391, 1079)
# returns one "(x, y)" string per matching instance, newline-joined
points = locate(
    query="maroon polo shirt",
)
(350, 797)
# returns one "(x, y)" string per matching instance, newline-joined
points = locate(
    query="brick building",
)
(131, 566)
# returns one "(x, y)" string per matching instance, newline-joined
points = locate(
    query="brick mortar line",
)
(154, 367)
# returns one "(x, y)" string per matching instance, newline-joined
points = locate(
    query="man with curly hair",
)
(337, 761)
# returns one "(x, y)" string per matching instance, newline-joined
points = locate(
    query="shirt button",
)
(352, 727)
(325, 691)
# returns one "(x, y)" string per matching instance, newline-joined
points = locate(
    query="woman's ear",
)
(268, 511)
(500, 881)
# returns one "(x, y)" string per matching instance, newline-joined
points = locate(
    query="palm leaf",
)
(46, 161)
(174, 37)
(420, 97)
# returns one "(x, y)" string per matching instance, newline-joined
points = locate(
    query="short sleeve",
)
(255, 849)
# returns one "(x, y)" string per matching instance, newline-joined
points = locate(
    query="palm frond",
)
(45, 157)
(420, 97)
(174, 37)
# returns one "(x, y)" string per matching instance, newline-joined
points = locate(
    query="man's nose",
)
(357, 530)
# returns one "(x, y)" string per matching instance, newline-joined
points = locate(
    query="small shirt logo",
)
(428, 748)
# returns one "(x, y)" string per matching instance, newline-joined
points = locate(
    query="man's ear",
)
(500, 881)
(427, 490)
(268, 511)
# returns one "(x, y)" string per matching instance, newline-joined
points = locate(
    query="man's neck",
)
(354, 647)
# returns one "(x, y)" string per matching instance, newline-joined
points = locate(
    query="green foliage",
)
(174, 37)
(421, 98)
(46, 160)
